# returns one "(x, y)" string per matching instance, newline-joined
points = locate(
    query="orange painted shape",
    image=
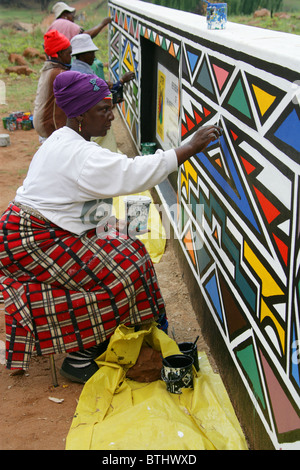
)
(189, 246)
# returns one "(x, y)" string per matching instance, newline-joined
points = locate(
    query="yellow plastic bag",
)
(116, 413)
(155, 240)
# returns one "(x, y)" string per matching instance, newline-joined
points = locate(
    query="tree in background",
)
(185, 5)
(235, 7)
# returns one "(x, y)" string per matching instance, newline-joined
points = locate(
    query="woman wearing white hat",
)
(64, 22)
(83, 49)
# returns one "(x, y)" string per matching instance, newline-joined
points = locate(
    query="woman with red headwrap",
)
(47, 116)
(68, 273)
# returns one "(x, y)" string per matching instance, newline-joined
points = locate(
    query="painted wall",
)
(238, 224)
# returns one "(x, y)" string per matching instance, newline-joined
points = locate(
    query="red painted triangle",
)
(189, 122)
(183, 130)
(197, 117)
(248, 167)
(270, 211)
(234, 135)
(284, 251)
(206, 112)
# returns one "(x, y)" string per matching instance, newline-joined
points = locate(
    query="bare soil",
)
(29, 420)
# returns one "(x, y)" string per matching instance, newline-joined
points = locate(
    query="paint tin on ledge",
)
(216, 15)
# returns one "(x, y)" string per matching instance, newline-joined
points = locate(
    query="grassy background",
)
(291, 5)
(21, 90)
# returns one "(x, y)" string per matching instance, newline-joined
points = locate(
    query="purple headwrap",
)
(77, 92)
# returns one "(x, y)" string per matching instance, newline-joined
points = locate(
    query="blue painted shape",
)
(213, 292)
(193, 58)
(289, 131)
(115, 70)
(239, 197)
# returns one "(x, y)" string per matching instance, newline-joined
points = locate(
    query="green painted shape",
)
(164, 44)
(238, 100)
(214, 207)
(247, 359)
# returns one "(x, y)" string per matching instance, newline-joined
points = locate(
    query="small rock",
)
(56, 400)
(261, 13)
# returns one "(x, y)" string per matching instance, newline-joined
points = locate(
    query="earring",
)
(79, 126)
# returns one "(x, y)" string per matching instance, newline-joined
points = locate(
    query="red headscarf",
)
(55, 42)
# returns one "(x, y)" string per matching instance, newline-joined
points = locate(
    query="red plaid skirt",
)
(64, 292)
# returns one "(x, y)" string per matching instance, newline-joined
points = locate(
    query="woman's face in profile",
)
(97, 120)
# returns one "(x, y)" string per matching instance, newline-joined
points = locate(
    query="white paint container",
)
(4, 140)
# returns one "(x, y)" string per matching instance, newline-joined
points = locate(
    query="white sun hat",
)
(59, 7)
(82, 43)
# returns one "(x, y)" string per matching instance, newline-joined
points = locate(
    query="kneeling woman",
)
(66, 289)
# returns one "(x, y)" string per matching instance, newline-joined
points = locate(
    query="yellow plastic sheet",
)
(155, 240)
(116, 413)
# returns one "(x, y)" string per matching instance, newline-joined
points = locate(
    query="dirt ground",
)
(29, 420)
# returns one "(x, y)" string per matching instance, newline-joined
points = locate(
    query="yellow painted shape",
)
(128, 58)
(266, 312)
(264, 99)
(269, 285)
(190, 172)
(269, 288)
(128, 118)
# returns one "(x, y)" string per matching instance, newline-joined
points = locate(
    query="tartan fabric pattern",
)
(64, 292)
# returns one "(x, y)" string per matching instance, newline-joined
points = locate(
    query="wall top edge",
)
(277, 47)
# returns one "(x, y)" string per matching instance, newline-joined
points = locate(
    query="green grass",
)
(26, 15)
(289, 25)
(21, 90)
(290, 6)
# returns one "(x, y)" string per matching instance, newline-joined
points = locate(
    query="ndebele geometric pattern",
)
(243, 246)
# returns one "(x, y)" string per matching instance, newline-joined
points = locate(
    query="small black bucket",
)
(177, 372)
(190, 349)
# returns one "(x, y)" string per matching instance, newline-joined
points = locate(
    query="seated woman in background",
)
(66, 281)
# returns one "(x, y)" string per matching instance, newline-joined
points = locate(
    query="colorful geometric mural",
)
(243, 246)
